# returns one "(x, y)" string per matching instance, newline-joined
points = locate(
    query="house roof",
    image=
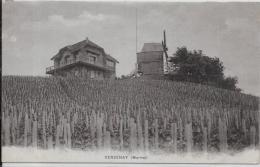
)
(112, 58)
(82, 44)
(152, 47)
(79, 45)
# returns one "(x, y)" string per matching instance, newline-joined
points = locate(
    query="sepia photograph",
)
(127, 82)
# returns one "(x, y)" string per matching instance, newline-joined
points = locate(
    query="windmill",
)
(165, 49)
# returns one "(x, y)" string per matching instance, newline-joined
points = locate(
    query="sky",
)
(33, 32)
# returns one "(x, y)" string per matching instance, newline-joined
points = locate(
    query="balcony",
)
(49, 68)
(85, 61)
(110, 68)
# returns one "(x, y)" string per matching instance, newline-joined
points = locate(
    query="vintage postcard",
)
(130, 82)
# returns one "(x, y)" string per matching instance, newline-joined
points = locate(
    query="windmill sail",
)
(165, 49)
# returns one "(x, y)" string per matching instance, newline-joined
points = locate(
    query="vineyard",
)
(129, 115)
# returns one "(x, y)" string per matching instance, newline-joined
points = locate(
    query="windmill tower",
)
(152, 60)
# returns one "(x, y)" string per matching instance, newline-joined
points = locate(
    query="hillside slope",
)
(79, 103)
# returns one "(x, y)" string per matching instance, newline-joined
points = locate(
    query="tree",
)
(194, 66)
(230, 83)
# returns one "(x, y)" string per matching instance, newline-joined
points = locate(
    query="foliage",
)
(194, 66)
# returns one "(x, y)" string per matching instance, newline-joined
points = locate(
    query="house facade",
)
(83, 59)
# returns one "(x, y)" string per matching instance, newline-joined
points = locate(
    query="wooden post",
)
(57, 136)
(34, 134)
(13, 129)
(209, 123)
(117, 122)
(121, 135)
(48, 120)
(26, 129)
(174, 136)
(69, 135)
(128, 120)
(164, 123)
(258, 121)
(87, 120)
(146, 136)
(181, 130)
(252, 136)
(92, 132)
(107, 141)
(125, 121)
(244, 129)
(244, 126)
(104, 128)
(62, 127)
(188, 137)
(133, 142)
(51, 123)
(205, 139)
(222, 136)
(20, 115)
(110, 124)
(65, 130)
(44, 130)
(29, 124)
(156, 137)
(140, 134)
(73, 123)
(99, 132)
(50, 142)
(237, 121)
(7, 131)
(3, 129)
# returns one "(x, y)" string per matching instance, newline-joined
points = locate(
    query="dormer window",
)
(66, 59)
(91, 53)
(92, 59)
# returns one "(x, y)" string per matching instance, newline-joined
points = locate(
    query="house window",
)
(110, 63)
(92, 74)
(92, 59)
(77, 73)
(66, 59)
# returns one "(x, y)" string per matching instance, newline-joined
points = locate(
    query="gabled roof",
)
(78, 46)
(152, 47)
(82, 44)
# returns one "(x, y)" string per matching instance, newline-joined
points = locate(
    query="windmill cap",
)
(152, 47)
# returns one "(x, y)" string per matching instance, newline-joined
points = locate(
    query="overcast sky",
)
(33, 32)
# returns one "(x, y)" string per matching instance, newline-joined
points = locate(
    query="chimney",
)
(87, 39)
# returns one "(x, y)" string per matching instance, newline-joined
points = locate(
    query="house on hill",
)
(83, 59)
